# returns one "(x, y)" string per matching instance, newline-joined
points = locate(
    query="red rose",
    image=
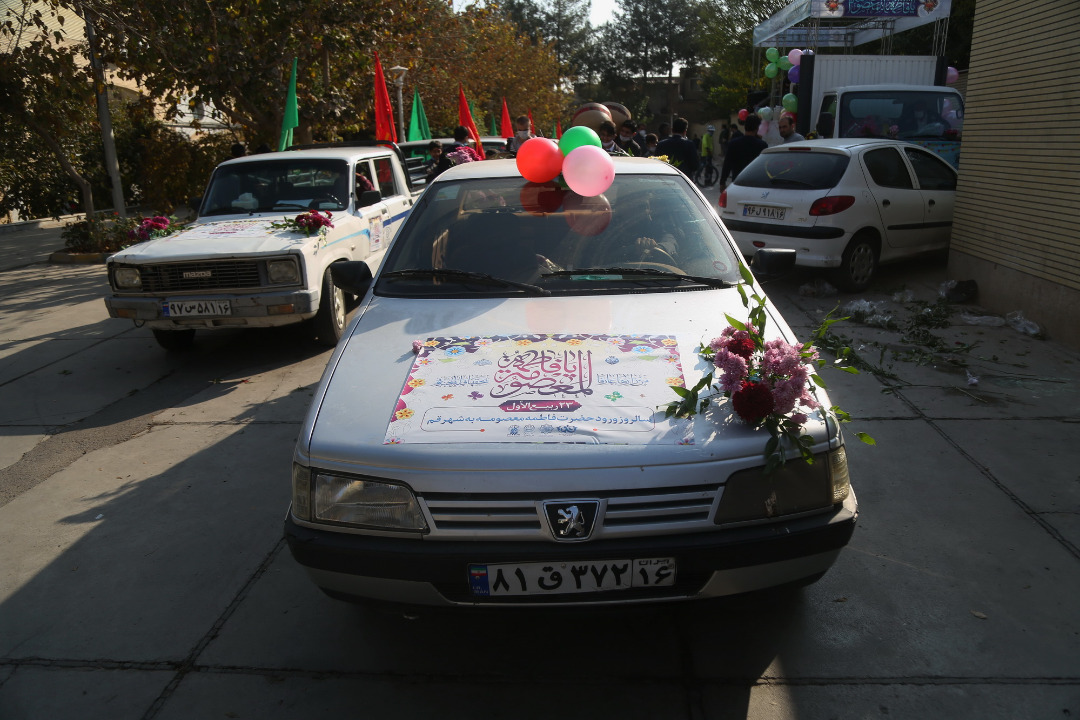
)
(743, 347)
(753, 402)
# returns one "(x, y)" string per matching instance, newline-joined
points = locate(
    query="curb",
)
(64, 257)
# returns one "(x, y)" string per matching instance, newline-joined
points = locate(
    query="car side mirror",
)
(773, 262)
(352, 276)
(368, 197)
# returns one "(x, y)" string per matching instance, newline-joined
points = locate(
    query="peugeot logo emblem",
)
(765, 194)
(572, 520)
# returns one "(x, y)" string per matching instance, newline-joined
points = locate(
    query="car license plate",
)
(555, 578)
(195, 308)
(763, 211)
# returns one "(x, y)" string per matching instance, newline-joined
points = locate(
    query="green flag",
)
(418, 125)
(494, 130)
(291, 118)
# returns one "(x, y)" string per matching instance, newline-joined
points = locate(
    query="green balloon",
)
(784, 63)
(791, 102)
(771, 70)
(577, 136)
(772, 55)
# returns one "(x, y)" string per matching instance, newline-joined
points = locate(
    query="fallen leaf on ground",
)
(976, 613)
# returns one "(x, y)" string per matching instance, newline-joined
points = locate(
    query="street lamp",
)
(397, 74)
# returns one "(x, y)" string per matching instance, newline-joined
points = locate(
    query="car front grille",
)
(197, 276)
(520, 516)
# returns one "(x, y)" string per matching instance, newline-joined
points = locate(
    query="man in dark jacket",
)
(625, 139)
(680, 151)
(742, 150)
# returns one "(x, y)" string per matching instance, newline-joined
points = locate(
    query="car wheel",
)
(175, 340)
(858, 263)
(329, 323)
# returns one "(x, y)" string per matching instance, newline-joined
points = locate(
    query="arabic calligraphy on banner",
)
(541, 388)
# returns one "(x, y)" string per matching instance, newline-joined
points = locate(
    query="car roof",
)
(841, 145)
(508, 168)
(327, 153)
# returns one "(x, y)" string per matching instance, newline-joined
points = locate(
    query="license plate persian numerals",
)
(764, 211)
(190, 308)
(560, 578)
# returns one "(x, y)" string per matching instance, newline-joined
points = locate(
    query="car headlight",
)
(794, 488)
(127, 278)
(361, 502)
(282, 271)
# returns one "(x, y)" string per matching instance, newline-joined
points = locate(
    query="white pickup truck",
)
(231, 268)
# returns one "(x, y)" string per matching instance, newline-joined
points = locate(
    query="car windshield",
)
(901, 114)
(507, 236)
(789, 169)
(278, 185)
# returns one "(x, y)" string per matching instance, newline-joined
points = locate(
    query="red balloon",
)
(541, 199)
(743, 115)
(539, 160)
(587, 215)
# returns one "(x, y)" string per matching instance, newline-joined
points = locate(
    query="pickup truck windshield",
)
(281, 185)
(645, 233)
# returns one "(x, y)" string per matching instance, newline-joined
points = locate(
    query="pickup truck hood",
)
(227, 238)
(358, 396)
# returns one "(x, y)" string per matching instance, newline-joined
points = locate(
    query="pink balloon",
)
(795, 57)
(588, 170)
(951, 76)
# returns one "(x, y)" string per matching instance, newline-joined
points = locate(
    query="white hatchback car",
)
(846, 204)
(491, 429)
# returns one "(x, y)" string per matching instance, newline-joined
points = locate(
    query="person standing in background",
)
(742, 150)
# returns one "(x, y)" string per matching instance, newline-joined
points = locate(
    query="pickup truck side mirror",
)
(352, 276)
(368, 197)
(773, 262)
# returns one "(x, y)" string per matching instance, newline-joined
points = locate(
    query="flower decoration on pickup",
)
(310, 222)
(770, 383)
(152, 227)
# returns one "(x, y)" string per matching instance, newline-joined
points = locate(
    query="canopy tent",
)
(847, 23)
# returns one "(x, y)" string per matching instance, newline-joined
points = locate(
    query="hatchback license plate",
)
(763, 211)
(195, 308)
(555, 578)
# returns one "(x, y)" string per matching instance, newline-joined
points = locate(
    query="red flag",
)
(384, 113)
(532, 125)
(465, 119)
(506, 128)
(558, 129)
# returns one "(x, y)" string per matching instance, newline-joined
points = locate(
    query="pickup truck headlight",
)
(363, 502)
(282, 272)
(127, 278)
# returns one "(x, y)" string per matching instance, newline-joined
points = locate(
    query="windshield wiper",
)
(790, 181)
(464, 275)
(651, 272)
(298, 206)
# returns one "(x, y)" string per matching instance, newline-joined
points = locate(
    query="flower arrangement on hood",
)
(309, 222)
(770, 383)
(152, 227)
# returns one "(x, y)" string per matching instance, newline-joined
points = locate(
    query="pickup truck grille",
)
(194, 276)
(519, 516)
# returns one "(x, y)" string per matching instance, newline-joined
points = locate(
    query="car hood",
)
(360, 391)
(227, 238)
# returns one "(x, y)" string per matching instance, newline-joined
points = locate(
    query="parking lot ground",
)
(143, 575)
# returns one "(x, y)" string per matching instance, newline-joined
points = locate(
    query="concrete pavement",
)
(142, 573)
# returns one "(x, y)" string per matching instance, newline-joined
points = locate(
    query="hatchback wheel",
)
(858, 264)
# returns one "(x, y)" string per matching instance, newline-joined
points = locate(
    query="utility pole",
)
(111, 166)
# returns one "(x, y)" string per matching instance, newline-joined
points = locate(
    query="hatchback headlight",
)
(367, 503)
(127, 278)
(282, 271)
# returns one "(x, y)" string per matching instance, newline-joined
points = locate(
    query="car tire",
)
(858, 263)
(329, 323)
(175, 340)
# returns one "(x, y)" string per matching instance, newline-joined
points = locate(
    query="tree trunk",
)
(65, 163)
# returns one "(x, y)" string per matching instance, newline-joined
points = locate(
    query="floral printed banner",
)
(541, 389)
(246, 228)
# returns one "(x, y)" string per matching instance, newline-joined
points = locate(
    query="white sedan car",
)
(492, 431)
(846, 204)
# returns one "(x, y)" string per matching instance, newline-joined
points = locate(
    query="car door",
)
(937, 185)
(899, 202)
(373, 216)
(397, 201)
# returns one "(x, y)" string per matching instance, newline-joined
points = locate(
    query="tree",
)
(564, 24)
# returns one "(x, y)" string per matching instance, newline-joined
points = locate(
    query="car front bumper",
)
(262, 310)
(713, 564)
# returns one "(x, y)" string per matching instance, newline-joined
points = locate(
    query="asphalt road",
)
(143, 575)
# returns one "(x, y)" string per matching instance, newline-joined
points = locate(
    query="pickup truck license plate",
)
(561, 578)
(762, 211)
(195, 308)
